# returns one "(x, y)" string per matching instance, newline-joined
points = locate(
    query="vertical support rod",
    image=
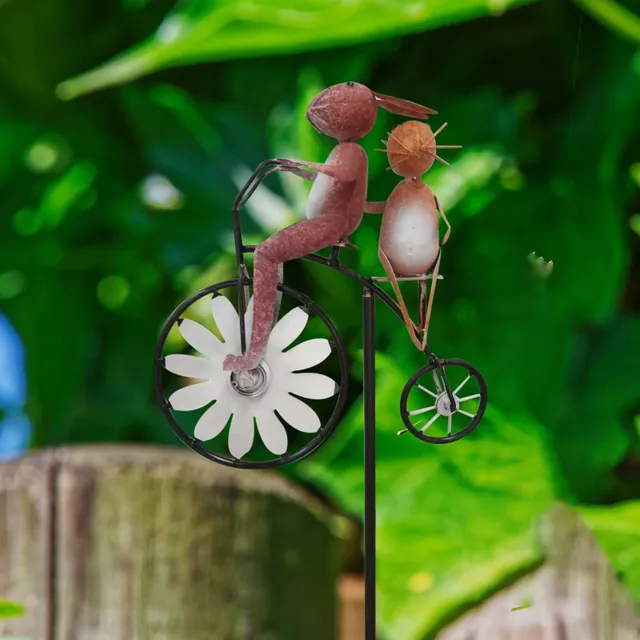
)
(242, 274)
(369, 348)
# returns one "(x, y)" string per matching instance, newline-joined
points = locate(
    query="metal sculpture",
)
(292, 409)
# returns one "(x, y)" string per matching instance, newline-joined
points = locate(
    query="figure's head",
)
(348, 111)
(412, 149)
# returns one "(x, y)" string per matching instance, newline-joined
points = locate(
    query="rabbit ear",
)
(403, 107)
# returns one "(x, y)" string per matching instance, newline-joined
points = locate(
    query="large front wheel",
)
(276, 414)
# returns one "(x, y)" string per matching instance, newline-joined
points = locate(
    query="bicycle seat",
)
(426, 276)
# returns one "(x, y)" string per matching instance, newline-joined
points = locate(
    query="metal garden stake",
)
(256, 380)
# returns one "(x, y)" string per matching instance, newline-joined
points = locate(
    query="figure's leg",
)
(293, 242)
(276, 311)
(411, 328)
(446, 235)
(434, 281)
(422, 298)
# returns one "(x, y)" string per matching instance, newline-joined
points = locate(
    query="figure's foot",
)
(240, 363)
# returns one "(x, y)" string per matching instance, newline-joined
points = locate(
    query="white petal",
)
(226, 318)
(288, 328)
(307, 354)
(241, 433)
(201, 339)
(248, 320)
(298, 414)
(195, 396)
(314, 386)
(213, 420)
(272, 432)
(190, 366)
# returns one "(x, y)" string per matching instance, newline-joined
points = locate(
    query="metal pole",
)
(369, 347)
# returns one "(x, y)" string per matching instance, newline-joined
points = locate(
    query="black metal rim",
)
(463, 432)
(196, 445)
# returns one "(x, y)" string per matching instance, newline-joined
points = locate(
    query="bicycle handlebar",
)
(255, 179)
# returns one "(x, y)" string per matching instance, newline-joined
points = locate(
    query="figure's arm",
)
(347, 167)
(301, 173)
(446, 235)
(294, 166)
(374, 207)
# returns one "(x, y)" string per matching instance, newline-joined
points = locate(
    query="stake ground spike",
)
(439, 385)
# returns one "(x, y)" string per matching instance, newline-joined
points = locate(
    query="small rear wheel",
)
(425, 406)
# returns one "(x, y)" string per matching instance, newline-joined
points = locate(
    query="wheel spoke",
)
(462, 384)
(426, 426)
(466, 413)
(435, 395)
(450, 424)
(475, 396)
(436, 379)
(417, 412)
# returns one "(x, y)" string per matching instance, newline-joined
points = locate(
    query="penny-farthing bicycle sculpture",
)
(281, 411)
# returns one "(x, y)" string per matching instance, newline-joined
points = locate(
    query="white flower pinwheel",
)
(254, 394)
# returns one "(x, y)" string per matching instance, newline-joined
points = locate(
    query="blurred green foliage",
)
(199, 30)
(10, 609)
(115, 207)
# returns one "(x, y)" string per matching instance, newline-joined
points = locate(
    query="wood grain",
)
(141, 543)
(573, 596)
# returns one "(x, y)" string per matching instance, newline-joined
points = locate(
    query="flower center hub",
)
(253, 383)
(443, 405)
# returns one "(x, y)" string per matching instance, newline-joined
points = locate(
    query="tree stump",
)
(574, 595)
(351, 590)
(153, 543)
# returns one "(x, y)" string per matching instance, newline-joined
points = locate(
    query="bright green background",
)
(545, 99)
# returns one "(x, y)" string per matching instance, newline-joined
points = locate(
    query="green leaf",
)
(10, 609)
(594, 427)
(614, 16)
(617, 530)
(206, 30)
(59, 343)
(454, 522)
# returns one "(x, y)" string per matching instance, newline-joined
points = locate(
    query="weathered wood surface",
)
(573, 596)
(142, 543)
(351, 591)
(25, 546)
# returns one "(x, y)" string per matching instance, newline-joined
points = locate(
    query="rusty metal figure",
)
(409, 245)
(345, 112)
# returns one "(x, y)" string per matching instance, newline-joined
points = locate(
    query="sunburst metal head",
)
(412, 149)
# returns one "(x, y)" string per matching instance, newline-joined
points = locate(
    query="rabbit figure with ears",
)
(337, 200)
(409, 243)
